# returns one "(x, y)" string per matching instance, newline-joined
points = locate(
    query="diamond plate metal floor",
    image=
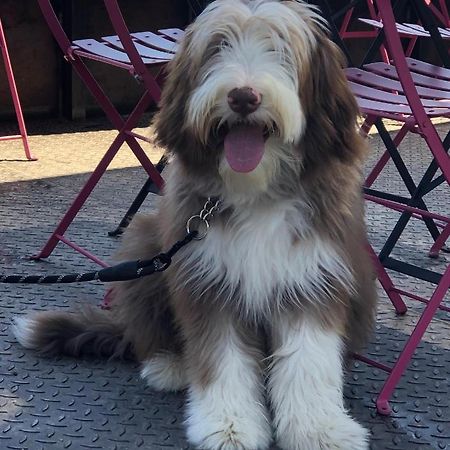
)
(94, 404)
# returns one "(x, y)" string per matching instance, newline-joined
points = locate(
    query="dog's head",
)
(256, 85)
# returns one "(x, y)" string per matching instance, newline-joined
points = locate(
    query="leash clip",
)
(200, 222)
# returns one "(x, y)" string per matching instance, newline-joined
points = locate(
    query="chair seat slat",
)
(100, 49)
(156, 41)
(372, 79)
(370, 93)
(105, 51)
(388, 70)
(389, 97)
(174, 33)
(416, 30)
(445, 32)
(367, 105)
(428, 69)
(143, 50)
(403, 29)
(373, 105)
(408, 29)
(377, 81)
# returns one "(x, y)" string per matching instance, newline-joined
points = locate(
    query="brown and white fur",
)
(256, 319)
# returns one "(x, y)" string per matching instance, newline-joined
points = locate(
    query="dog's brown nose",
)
(244, 100)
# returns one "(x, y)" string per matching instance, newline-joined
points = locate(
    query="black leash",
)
(129, 270)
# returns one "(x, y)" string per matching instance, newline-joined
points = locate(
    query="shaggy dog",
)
(254, 320)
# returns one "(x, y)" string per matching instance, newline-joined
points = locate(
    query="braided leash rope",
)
(129, 270)
(196, 228)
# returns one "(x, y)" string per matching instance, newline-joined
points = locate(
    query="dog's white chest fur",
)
(262, 256)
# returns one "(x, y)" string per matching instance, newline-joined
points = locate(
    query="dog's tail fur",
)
(90, 331)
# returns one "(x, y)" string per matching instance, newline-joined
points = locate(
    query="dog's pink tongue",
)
(244, 147)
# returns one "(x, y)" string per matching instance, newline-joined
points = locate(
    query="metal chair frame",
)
(23, 136)
(134, 52)
(410, 31)
(397, 92)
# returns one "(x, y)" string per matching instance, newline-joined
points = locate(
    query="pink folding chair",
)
(430, 96)
(15, 97)
(414, 31)
(409, 31)
(411, 92)
(135, 53)
(349, 13)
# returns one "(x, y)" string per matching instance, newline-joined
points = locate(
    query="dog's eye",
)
(224, 44)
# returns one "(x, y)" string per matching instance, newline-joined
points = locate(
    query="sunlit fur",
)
(256, 319)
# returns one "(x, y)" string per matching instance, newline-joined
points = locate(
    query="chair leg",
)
(116, 119)
(402, 362)
(133, 209)
(15, 95)
(149, 186)
(387, 284)
(415, 192)
(81, 198)
(379, 166)
(440, 242)
(416, 201)
(130, 123)
(124, 127)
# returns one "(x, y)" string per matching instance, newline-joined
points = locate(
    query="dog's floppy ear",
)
(331, 108)
(170, 122)
(171, 117)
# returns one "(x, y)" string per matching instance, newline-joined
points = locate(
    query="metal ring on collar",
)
(198, 224)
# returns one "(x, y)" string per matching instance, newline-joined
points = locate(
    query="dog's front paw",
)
(336, 432)
(216, 432)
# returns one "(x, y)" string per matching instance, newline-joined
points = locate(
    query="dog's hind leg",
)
(139, 322)
(165, 371)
